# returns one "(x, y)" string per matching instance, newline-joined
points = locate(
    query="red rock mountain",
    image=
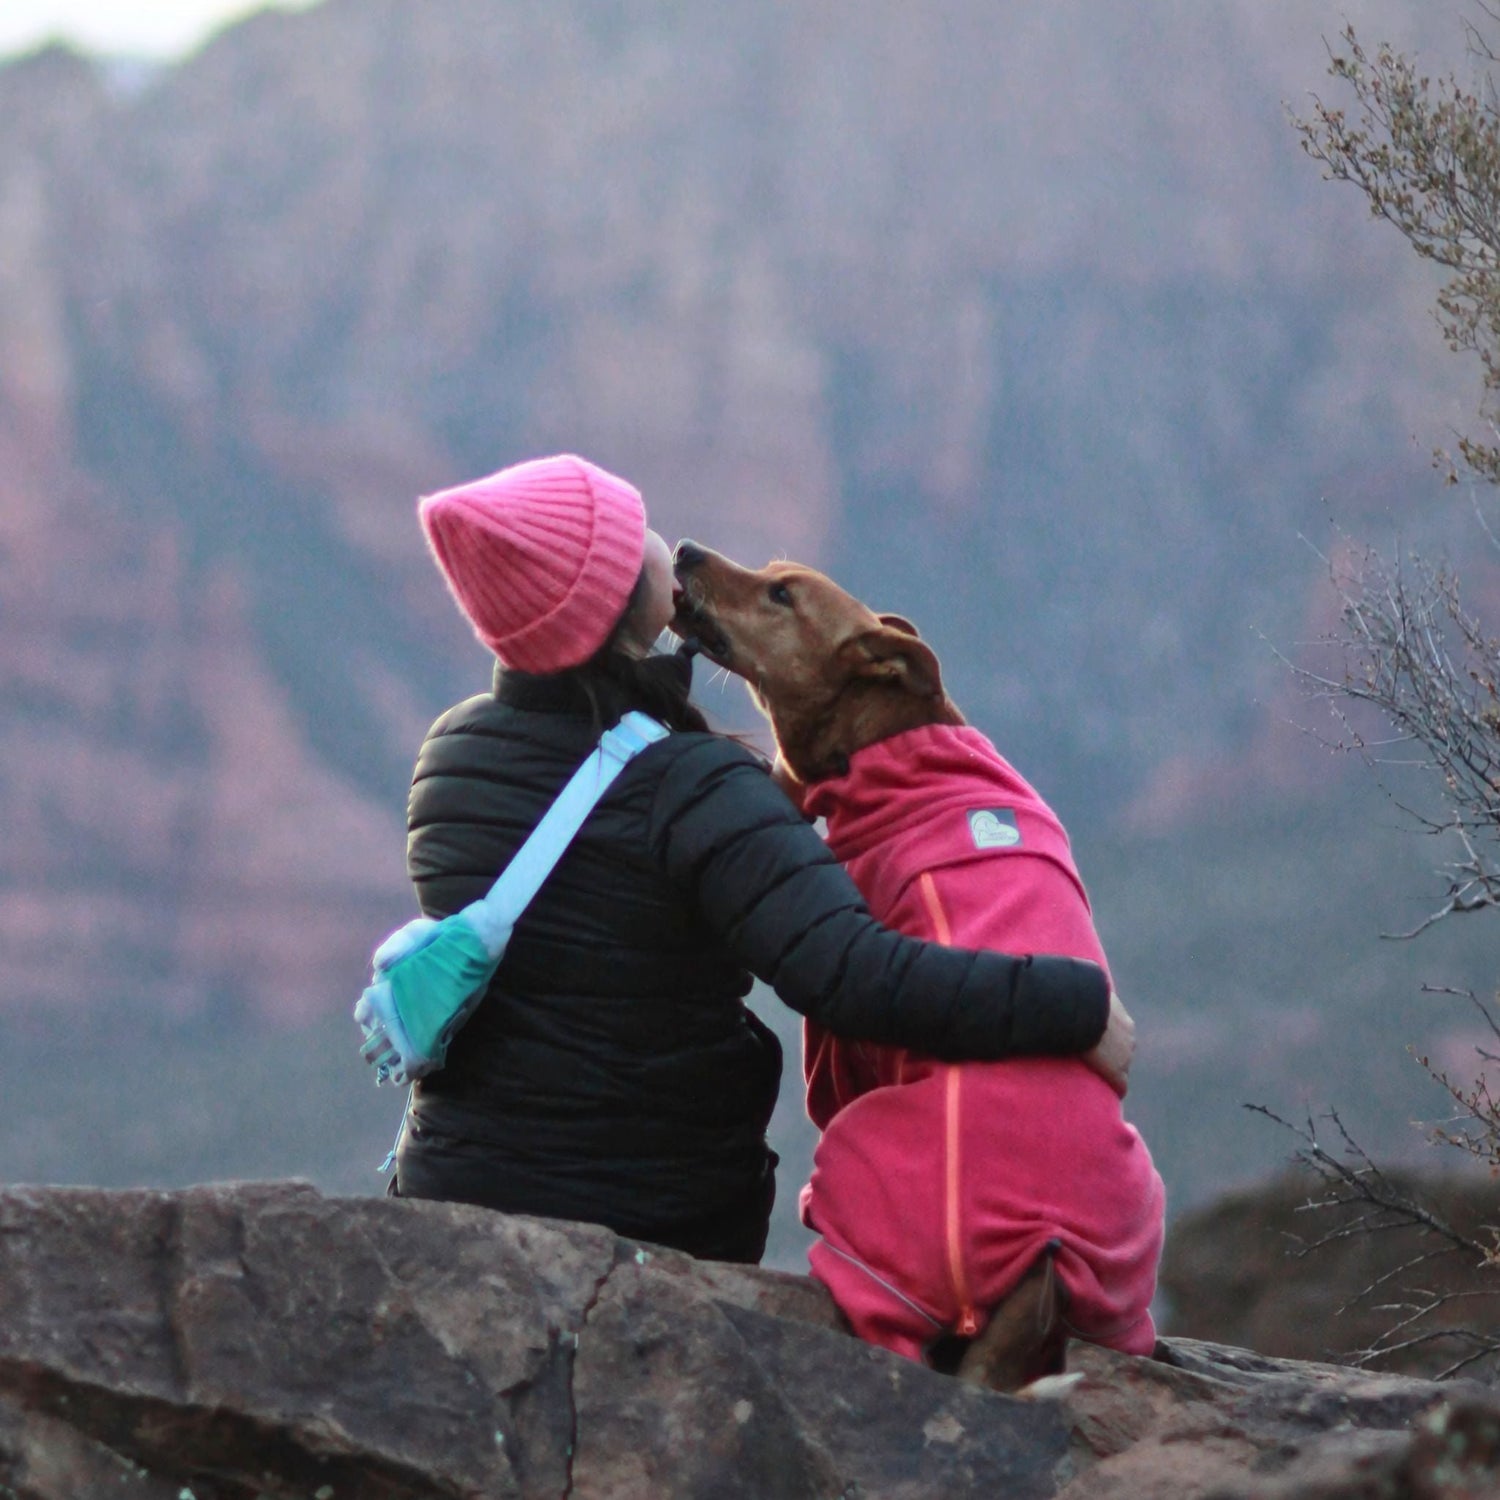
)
(1031, 323)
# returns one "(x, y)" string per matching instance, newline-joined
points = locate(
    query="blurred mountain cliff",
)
(1031, 324)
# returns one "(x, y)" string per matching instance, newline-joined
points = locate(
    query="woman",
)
(613, 1073)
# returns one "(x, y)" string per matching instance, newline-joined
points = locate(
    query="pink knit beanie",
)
(541, 557)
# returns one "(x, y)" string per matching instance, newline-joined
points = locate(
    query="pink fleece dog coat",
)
(935, 1186)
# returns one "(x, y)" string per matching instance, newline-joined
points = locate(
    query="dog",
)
(972, 1216)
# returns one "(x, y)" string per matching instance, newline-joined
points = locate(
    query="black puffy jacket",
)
(612, 1073)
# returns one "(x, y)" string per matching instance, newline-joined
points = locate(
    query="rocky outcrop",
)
(1279, 1268)
(237, 1341)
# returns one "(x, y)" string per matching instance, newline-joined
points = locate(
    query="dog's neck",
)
(816, 744)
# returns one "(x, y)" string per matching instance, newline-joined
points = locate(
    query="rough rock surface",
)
(239, 1341)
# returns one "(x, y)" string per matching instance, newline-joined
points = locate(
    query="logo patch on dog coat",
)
(994, 827)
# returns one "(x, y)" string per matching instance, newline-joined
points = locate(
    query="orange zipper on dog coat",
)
(968, 1321)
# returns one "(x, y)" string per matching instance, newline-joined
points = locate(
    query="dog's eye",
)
(779, 593)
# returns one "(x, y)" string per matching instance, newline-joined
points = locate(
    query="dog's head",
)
(830, 674)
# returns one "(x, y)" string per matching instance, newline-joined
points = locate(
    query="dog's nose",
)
(689, 555)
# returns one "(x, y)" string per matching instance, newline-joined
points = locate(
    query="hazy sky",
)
(158, 27)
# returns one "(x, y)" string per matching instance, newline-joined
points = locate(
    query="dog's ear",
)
(896, 656)
(900, 622)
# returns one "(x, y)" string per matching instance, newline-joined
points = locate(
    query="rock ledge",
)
(240, 1341)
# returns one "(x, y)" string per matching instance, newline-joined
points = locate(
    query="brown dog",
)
(831, 675)
(846, 687)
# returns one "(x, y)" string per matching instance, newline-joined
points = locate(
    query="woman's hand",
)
(1111, 1058)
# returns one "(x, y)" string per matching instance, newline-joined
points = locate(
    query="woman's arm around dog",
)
(765, 881)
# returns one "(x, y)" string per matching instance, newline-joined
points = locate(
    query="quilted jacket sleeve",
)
(767, 885)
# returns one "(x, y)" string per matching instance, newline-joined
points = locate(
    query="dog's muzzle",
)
(691, 620)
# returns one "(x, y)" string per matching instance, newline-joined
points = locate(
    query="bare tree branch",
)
(1417, 686)
(1415, 658)
(1368, 1203)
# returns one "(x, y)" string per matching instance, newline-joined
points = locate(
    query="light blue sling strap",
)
(499, 911)
(429, 976)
